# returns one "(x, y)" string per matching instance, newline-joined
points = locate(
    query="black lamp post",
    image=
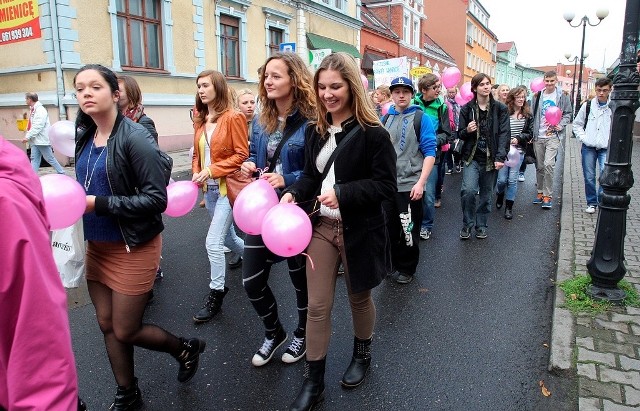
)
(606, 265)
(568, 16)
(573, 85)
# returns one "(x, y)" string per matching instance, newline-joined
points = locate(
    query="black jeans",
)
(405, 251)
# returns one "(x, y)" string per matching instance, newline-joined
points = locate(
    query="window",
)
(276, 36)
(140, 33)
(468, 59)
(407, 27)
(416, 33)
(230, 45)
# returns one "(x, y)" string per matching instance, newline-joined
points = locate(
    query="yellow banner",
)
(19, 20)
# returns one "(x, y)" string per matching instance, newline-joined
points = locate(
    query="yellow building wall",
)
(94, 31)
(183, 29)
(24, 53)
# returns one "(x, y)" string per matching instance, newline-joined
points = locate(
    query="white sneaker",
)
(590, 209)
(521, 177)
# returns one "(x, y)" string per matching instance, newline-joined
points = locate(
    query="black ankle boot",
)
(188, 357)
(359, 363)
(211, 306)
(508, 213)
(312, 391)
(128, 398)
(499, 200)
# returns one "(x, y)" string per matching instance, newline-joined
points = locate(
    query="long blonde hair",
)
(361, 108)
(303, 95)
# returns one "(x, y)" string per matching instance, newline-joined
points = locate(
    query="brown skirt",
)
(130, 273)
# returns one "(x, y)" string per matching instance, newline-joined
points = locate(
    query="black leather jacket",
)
(136, 179)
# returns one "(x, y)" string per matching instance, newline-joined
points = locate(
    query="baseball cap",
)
(402, 81)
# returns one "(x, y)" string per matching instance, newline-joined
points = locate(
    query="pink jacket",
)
(37, 367)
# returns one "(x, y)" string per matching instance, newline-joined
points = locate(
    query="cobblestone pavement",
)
(603, 349)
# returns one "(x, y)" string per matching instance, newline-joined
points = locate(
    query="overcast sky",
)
(542, 36)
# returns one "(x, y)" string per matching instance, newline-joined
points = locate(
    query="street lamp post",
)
(606, 265)
(568, 16)
(573, 85)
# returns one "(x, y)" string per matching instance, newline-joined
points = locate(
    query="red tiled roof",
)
(505, 46)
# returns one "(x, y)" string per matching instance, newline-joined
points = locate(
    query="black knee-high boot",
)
(312, 391)
(359, 363)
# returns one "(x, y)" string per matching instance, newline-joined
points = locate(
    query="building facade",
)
(461, 27)
(164, 44)
(405, 23)
(509, 71)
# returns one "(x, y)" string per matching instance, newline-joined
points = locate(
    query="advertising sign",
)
(316, 57)
(386, 70)
(19, 21)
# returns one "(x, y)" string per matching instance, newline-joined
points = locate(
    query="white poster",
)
(316, 57)
(386, 70)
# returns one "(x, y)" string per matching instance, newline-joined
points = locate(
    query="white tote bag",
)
(68, 247)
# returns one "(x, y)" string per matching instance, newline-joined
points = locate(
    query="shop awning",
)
(321, 42)
(369, 58)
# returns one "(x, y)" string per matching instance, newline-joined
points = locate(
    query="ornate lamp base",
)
(612, 295)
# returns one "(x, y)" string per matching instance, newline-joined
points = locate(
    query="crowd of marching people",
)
(368, 168)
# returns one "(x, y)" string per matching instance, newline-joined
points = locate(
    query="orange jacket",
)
(229, 146)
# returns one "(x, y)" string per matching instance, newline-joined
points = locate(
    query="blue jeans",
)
(429, 198)
(508, 178)
(38, 151)
(591, 155)
(475, 212)
(220, 232)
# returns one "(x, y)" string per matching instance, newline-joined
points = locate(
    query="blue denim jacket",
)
(292, 154)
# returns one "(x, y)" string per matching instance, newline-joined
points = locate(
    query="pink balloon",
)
(181, 197)
(513, 157)
(62, 136)
(64, 199)
(553, 115)
(450, 77)
(385, 108)
(252, 204)
(465, 91)
(286, 230)
(460, 100)
(537, 84)
(365, 81)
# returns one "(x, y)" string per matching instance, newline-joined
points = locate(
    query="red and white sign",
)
(19, 21)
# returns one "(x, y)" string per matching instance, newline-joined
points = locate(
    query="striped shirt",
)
(516, 126)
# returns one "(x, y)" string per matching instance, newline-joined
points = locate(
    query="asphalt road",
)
(469, 333)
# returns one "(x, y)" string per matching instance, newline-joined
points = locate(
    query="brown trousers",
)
(327, 251)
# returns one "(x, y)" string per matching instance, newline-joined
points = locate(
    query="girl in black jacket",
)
(351, 226)
(119, 165)
(521, 125)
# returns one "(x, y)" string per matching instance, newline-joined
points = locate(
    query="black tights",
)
(120, 320)
(256, 266)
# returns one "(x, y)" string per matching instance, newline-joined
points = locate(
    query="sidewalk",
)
(606, 347)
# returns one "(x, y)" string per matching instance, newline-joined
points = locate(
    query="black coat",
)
(499, 126)
(136, 177)
(365, 172)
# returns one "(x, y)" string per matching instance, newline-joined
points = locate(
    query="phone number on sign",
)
(16, 34)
